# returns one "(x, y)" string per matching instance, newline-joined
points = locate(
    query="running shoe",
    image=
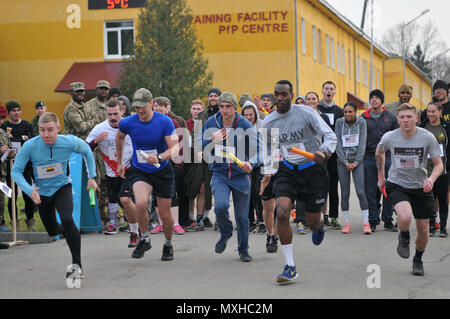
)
(133, 240)
(157, 229)
(301, 229)
(178, 230)
(317, 236)
(245, 257)
(289, 274)
(74, 274)
(373, 228)
(207, 223)
(141, 248)
(335, 224)
(403, 245)
(367, 229)
(272, 243)
(252, 229)
(443, 233)
(167, 254)
(326, 220)
(347, 229)
(389, 226)
(111, 230)
(4, 246)
(221, 244)
(417, 267)
(124, 228)
(432, 232)
(262, 229)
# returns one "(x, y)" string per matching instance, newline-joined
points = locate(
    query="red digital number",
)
(113, 3)
(110, 4)
(124, 4)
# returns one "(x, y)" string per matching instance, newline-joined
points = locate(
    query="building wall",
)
(249, 48)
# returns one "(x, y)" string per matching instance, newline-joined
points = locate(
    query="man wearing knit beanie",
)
(440, 96)
(379, 121)
(404, 96)
(244, 98)
(230, 98)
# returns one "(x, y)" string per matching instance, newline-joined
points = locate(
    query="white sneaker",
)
(74, 274)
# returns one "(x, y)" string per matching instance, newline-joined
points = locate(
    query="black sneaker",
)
(207, 223)
(389, 226)
(141, 248)
(326, 220)
(403, 245)
(417, 268)
(262, 229)
(245, 257)
(373, 227)
(432, 232)
(272, 244)
(221, 245)
(251, 228)
(167, 253)
(443, 233)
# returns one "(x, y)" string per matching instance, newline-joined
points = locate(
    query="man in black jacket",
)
(329, 108)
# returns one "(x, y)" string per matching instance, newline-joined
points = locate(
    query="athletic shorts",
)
(118, 187)
(268, 193)
(309, 185)
(162, 181)
(422, 203)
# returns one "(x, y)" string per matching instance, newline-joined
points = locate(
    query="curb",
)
(30, 237)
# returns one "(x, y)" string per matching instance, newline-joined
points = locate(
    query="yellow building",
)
(250, 45)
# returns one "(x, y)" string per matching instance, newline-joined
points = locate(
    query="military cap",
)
(103, 84)
(39, 104)
(141, 97)
(245, 97)
(77, 86)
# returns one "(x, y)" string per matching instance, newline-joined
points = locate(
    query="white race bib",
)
(330, 117)
(112, 154)
(141, 159)
(350, 140)
(49, 171)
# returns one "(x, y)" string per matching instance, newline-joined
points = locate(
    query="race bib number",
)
(350, 140)
(330, 117)
(407, 161)
(141, 159)
(112, 154)
(49, 171)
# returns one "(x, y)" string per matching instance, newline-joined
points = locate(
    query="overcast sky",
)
(388, 13)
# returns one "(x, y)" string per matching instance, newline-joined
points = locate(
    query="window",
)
(349, 64)
(332, 52)
(314, 43)
(303, 36)
(343, 59)
(118, 39)
(319, 42)
(339, 57)
(379, 78)
(364, 71)
(328, 50)
(359, 70)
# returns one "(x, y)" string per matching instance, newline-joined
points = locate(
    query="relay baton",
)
(383, 189)
(91, 197)
(302, 152)
(145, 157)
(235, 159)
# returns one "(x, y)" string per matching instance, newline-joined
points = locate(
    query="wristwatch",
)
(159, 157)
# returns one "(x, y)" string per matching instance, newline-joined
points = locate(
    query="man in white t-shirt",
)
(408, 186)
(119, 189)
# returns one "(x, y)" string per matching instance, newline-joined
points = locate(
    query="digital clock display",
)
(116, 4)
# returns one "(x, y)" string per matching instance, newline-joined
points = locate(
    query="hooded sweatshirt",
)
(128, 105)
(351, 133)
(258, 121)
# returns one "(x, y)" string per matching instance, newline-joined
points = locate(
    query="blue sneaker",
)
(318, 235)
(3, 228)
(221, 245)
(289, 274)
(301, 229)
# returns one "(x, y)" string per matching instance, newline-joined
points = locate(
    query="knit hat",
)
(10, 105)
(268, 96)
(244, 98)
(114, 90)
(215, 90)
(3, 111)
(439, 84)
(405, 88)
(378, 93)
(230, 98)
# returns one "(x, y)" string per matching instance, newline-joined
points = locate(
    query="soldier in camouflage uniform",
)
(41, 108)
(4, 146)
(77, 120)
(97, 111)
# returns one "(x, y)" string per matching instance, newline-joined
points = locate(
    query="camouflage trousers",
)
(2, 204)
(102, 191)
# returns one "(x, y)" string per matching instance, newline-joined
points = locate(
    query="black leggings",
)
(440, 191)
(62, 201)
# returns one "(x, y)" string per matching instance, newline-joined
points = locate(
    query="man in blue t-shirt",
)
(154, 141)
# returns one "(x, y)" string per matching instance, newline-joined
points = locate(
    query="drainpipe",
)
(296, 48)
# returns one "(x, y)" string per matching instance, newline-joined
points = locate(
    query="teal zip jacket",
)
(50, 163)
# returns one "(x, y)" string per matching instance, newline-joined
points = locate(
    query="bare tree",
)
(400, 39)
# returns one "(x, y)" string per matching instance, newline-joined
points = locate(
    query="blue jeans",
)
(239, 187)
(371, 187)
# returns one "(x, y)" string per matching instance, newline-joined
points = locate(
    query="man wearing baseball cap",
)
(77, 120)
(154, 140)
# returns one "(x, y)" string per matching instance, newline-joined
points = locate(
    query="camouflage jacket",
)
(35, 124)
(4, 140)
(77, 120)
(96, 110)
